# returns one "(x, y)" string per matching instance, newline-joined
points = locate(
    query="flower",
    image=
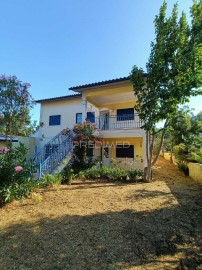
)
(18, 168)
(4, 150)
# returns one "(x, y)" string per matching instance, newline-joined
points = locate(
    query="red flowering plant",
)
(13, 167)
(86, 137)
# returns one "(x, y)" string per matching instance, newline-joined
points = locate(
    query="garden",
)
(17, 178)
(106, 225)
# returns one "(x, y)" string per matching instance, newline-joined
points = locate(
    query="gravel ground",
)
(110, 226)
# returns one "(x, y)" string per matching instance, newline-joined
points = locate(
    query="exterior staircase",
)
(55, 154)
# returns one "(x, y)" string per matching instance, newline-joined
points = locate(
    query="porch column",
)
(84, 109)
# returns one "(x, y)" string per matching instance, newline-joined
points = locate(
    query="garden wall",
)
(195, 171)
(29, 143)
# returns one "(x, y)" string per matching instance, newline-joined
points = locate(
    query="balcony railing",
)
(108, 122)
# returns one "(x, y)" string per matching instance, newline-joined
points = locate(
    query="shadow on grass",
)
(165, 238)
(113, 240)
(91, 185)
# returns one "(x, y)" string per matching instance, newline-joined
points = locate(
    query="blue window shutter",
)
(54, 120)
(91, 117)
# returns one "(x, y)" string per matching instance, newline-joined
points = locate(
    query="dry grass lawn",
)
(108, 226)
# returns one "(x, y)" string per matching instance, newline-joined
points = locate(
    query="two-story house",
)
(108, 104)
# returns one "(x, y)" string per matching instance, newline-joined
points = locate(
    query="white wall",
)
(66, 108)
(29, 143)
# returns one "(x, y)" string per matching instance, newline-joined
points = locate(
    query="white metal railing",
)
(118, 122)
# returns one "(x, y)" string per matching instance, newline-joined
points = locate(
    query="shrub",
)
(95, 173)
(67, 175)
(135, 175)
(49, 180)
(92, 173)
(196, 157)
(15, 175)
(114, 174)
(105, 172)
(17, 190)
(183, 167)
(13, 167)
(181, 152)
(84, 140)
(81, 175)
(117, 174)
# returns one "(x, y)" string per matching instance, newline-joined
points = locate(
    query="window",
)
(91, 117)
(125, 151)
(125, 114)
(78, 118)
(54, 120)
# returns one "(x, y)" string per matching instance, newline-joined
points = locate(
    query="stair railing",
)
(50, 147)
(50, 164)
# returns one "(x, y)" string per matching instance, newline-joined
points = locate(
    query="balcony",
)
(109, 122)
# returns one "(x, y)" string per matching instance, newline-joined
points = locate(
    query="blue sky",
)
(56, 44)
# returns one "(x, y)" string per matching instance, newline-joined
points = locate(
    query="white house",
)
(108, 104)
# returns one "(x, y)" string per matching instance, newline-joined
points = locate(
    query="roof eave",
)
(58, 98)
(81, 88)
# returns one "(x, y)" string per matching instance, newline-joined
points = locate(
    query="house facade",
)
(110, 106)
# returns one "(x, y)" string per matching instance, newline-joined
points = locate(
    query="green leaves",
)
(174, 67)
(15, 103)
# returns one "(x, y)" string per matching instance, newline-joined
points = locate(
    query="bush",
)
(117, 174)
(13, 167)
(183, 167)
(84, 140)
(17, 190)
(21, 189)
(105, 172)
(135, 175)
(67, 175)
(15, 175)
(95, 173)
(92, 173)
(196, 157)
(114, 174)
(50, 180)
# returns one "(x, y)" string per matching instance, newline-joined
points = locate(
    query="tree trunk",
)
(149, 151)
(160, 145)
(171, 149)
(171, 154)
(148, 174)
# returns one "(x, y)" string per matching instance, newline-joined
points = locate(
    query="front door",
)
(106, 155)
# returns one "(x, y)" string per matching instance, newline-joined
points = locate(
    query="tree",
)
(187, 138)
(15, 104)
(173, 73)
(185, 130)
(84, 140)
(180, 127)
